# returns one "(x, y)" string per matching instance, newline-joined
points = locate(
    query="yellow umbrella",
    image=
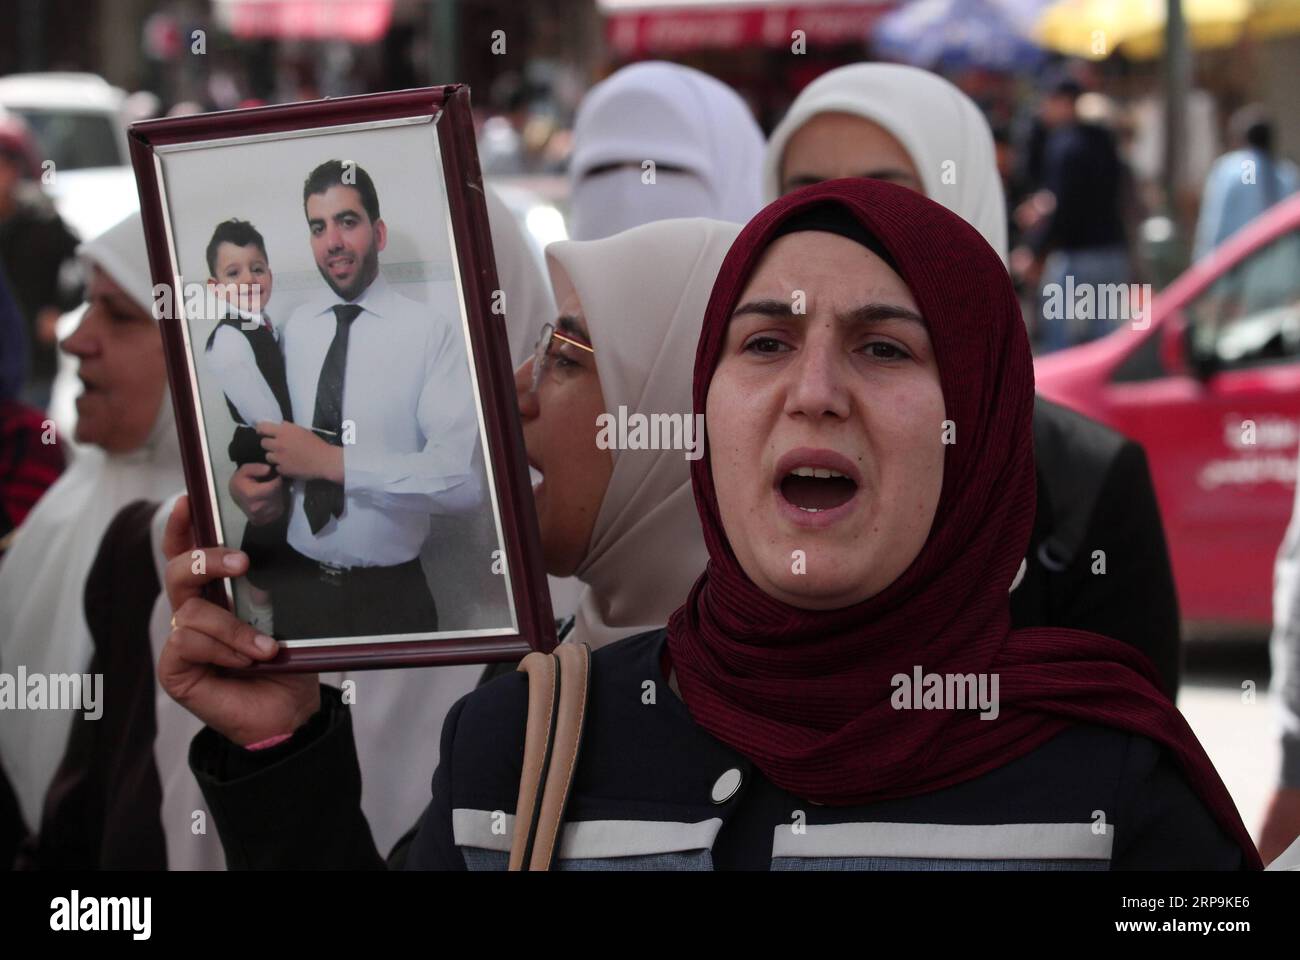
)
(1096, 28)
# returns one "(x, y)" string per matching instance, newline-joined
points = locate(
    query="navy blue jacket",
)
(653, 790)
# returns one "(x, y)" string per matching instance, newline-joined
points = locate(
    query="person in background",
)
(129, 451)
(1244, 182)
(908, 126)
(31, 457)
(656, 141)
(1080, 232)
(35, 244)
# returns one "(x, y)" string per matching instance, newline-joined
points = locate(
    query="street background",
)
(1164, 79)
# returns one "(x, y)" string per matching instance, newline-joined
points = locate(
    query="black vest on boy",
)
(245, 446)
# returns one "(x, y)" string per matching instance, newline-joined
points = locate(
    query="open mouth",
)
(535, 474)
(816, 481)
(813, 489)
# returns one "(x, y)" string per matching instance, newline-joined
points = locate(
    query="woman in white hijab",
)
(622, 521)
(129, 452)
(701, 137)
(922, 132)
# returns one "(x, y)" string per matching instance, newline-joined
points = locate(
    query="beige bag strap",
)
(558, 684)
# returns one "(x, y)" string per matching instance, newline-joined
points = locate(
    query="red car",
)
(1209, 384)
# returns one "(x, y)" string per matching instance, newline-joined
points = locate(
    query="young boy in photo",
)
(243, 355)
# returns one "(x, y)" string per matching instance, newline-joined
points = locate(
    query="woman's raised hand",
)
(206, 638)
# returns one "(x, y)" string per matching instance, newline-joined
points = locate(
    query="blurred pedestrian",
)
(35, 244)
(30, 455)
(1244, 182)
(656, 141)
(1079, 241)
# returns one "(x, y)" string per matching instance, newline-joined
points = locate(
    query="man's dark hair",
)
(239, 232)
(1251, 126)
(330, 174)
(1066, 87)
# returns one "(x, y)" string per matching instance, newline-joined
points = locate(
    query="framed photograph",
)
(338, 363)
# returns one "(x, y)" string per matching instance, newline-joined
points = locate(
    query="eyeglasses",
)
(542, 353)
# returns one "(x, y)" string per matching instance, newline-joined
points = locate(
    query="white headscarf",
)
(941, 129)
(643, 294)
(675, 116)
(42, 580)
(527, 290)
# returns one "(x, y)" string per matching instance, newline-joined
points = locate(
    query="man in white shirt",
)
(386, 436)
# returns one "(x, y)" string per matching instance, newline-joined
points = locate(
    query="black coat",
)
(648, 794)
(1095, 494)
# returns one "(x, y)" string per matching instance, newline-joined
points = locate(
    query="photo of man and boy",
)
(355, 424)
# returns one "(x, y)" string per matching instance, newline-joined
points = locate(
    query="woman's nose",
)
(80, 342)
(524, 394)
(820, 382)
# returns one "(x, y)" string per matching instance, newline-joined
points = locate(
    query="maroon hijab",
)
(806, 694)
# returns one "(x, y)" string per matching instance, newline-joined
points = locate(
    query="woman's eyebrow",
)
(867, 313)
(890, 174)
(572, 325)
(871, 313)
(766, 308)
(795, 181)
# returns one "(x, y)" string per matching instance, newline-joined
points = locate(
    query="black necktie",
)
(324, 498)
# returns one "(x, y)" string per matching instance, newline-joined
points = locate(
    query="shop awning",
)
(638, 28)
(358, 21)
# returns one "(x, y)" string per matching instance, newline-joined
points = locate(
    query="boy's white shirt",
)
(232, 364)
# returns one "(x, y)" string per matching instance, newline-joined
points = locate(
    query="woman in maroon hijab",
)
(847, 692)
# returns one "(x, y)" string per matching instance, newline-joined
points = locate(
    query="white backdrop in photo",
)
(262, 182)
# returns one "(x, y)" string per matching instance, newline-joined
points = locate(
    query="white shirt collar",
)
(374, 299)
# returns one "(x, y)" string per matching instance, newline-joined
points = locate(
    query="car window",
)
(74, 141)
(1250, 316)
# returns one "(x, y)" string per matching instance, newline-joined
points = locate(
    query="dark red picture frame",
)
(449, 105)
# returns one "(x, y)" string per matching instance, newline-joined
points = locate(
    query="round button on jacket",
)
(726, 786)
